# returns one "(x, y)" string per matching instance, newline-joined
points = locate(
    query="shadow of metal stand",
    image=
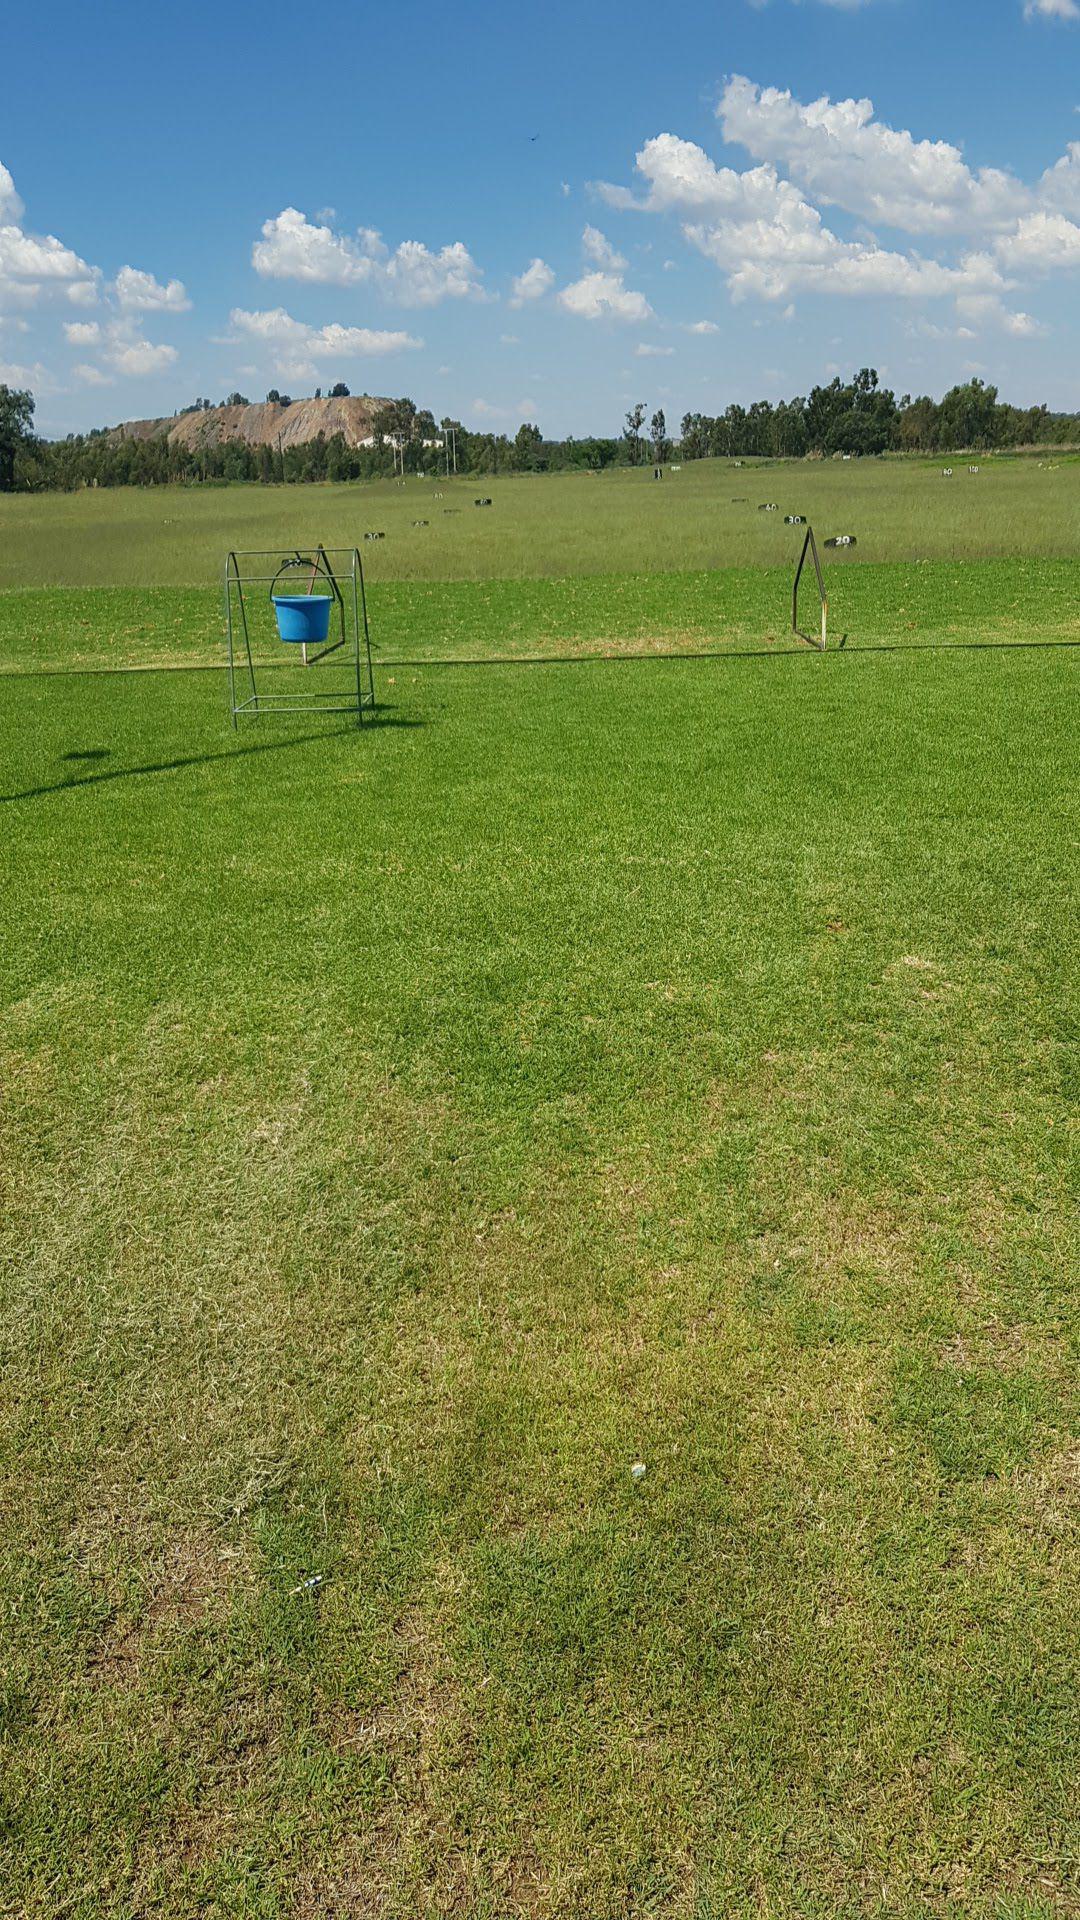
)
(257, 632)
(810, 547)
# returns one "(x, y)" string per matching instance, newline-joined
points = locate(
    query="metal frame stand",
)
(342, 571)
(810, 547)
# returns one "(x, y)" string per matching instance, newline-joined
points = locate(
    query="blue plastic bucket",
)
(302, 617)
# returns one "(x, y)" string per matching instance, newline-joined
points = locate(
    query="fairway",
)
(635, 1061)
(705, 514)
(562, 565)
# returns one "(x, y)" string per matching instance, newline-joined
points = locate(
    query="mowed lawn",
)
(570, 564)
(705, 515)
(407, 1133)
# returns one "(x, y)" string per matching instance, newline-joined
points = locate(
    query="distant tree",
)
(238, 400)
(16, 420)
(339, 391)
(695, 436)
(632, 431)
(528, 444)
(658, 434)
(274, 397)
(285, 399)
(969, 416)
(318, 393)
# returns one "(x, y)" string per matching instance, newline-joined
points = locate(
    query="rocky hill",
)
(267, 424)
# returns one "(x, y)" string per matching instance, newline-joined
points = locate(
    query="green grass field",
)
(656, 1060)
(704, 516)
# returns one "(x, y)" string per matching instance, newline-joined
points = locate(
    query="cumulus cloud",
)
(604, 296)
(11, 207)
(702, 326)
(597, 247)
(1051, 10)
(846, 158)
(987, 310)
(1042, 243)
(38, 377)
(33, 265)
(1059, 188)
(135, 357)
(646, 352)
(524, 409)
(138, 292)
(295, 248)
(764, 232)
(296, 347)
(770, 241)
(764, 228)
(537, 280)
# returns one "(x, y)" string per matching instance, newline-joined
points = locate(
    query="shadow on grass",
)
(782, 651)
(376, 720)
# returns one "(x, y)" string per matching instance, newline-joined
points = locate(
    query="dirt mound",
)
(266, 424)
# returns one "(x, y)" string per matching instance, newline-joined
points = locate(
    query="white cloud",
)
(703, 326)
(597, 247)
(39, 260)
(645, 352)
(138, 292)
(525, 409)
(11, 207)
(33, 266)
(136, 357)
(602, 296)
(416, 278)
(1051, 10)
(296, 347)
(770, 241)
(1059, 188)
(295, 248)
(983, 310)
(764, 227)
(1042, 243)
(537, 280)
(14, 375)
(846, 158)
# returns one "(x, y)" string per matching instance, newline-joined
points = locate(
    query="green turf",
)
(407, 1131)
(905, 605)
(705, 516)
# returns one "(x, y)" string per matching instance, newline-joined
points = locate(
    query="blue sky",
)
(537, 210)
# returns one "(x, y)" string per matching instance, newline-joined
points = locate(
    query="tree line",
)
(857, 417)
(861, 416)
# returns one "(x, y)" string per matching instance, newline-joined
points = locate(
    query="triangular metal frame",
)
(810, 547)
